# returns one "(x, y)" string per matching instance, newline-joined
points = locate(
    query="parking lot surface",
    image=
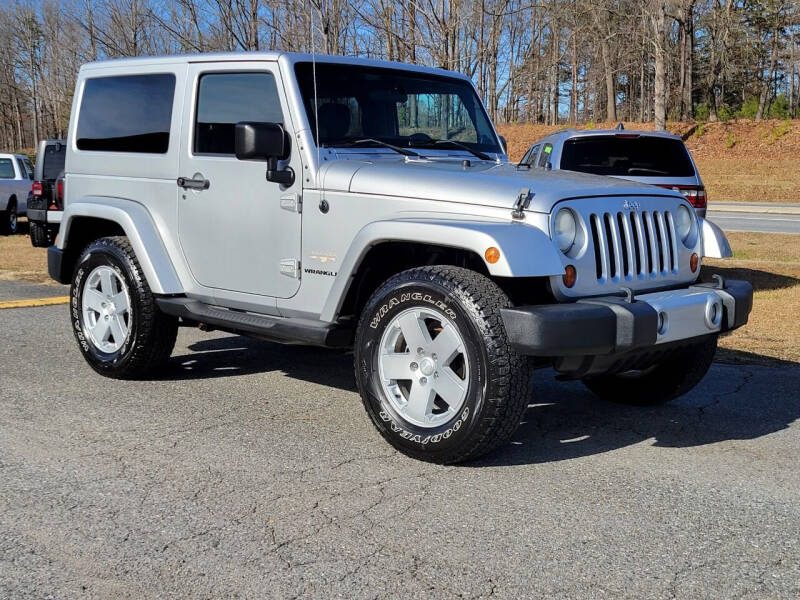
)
(251, 470)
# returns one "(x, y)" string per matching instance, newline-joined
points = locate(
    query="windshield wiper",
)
(364, 141)
(633, 170)
(456, 144)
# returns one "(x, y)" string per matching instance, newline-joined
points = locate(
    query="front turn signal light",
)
(693, 262)
(570, 276)
(492, 255)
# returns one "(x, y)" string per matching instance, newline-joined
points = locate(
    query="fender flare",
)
(525, 251)
(715, 244)
(141, 230)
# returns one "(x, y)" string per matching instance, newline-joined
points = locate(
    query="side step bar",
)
(275, 329)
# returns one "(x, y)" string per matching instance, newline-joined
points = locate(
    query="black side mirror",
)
(265, 141)
(504, 144)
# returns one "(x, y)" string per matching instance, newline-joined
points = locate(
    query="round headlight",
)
(565, 228)
(683, 222)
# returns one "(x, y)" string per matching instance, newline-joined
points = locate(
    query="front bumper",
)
(616, 326)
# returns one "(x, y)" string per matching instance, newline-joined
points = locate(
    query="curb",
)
(780, 209)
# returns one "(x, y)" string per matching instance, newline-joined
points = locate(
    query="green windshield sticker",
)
(548, 149)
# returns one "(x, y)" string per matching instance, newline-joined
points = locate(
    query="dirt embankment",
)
(739, 161)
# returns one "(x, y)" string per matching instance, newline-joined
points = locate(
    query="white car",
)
(16, 174)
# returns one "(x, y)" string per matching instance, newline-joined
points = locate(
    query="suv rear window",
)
(627, 156)
(53, 161)
(130, 113)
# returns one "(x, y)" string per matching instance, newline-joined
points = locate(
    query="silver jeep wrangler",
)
(354, 203)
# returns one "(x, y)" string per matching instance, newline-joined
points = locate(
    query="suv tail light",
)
(36, 188)
(695, 194)
(58, 200)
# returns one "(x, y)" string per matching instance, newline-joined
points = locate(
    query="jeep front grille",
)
(634, 244)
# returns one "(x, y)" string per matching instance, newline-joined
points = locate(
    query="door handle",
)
(193, 184)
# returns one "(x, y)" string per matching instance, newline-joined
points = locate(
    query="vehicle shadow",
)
(240, 355)
(739, 399)
(761, 280)
(734, 402)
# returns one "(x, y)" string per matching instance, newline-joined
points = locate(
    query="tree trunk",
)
(660, 82)
(767, 83)
(611, 94)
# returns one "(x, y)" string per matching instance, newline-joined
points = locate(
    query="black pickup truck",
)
(45, 203)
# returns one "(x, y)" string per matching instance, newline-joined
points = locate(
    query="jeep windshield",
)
(406, 109)
(627, 154)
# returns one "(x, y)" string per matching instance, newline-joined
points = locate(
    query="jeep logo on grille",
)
(630, 205)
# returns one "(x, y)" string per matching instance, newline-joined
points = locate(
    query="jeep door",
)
(237, 231)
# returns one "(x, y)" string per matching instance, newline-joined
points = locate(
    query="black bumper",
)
(56, 265)
(597, 326)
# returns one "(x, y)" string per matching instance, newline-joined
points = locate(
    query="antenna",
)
(314, 77)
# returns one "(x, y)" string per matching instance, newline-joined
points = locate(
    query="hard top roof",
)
(292, 57)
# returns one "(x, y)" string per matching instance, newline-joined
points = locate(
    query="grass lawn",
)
(771, 262)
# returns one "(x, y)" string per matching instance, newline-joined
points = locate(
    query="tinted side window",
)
(26, 168)
(53, 160)
(6, 169)
(547, 153)
(224, 99)
(130, 113)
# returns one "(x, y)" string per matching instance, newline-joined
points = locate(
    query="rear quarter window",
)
(130, 113)
(53, 160)
(627, 156)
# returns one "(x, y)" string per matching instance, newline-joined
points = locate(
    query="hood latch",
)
(523, 201)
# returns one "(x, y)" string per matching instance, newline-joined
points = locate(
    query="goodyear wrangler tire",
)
(434, 367)
(120, 330)
(661, 383)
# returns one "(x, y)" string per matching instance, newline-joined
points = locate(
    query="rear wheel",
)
(42, 235)
(119, 329)
(8, 219)
(434, 368)
(660, 383)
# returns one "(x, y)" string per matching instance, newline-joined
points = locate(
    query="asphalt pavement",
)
(250, 470)
(765, 223)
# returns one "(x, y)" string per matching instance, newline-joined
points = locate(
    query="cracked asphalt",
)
(250, 470)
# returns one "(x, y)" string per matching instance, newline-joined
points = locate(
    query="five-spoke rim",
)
(423, 366)
(106, 309)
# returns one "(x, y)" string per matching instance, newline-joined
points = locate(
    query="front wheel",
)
(434, 367)
(119, 329)
(660, 383)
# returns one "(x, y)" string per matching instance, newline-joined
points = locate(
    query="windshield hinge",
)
(523, 201)
(292, 203)
(290, 267)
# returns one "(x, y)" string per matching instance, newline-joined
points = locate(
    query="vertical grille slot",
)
(613, 245)
(647, 227)
(673, 242)
(627, 244)
(598, 252)
(659, 239)
(636, 228)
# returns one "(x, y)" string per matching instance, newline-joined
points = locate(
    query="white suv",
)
(365, 204)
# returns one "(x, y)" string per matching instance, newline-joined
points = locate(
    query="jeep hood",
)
(484, 183)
